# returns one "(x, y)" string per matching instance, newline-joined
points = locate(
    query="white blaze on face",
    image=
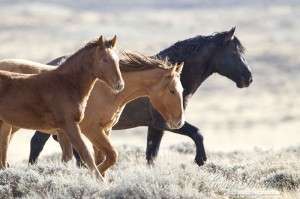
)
(245, 62)
(178, 85)
(179, 88)
(115, 56)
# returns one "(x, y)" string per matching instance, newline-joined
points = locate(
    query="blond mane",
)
(135, 61)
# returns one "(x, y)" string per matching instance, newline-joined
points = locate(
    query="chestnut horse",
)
(36, 101)
(143, 76)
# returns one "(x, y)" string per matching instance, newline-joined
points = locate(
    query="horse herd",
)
(65, 98)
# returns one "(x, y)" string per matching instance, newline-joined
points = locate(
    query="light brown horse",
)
(143, 76)
(55, 100)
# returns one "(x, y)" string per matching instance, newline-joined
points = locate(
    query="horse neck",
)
(196, 69)
(138, 84)
(77, 71)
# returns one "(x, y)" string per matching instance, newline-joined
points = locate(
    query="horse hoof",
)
(81, 165)
(200, 161)
(151, 162)
(4, 167)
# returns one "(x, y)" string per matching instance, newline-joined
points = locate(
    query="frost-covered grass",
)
(268, 173)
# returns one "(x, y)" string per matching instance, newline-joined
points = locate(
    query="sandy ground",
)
(265, 115)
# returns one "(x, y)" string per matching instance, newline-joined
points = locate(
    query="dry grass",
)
(173, 176)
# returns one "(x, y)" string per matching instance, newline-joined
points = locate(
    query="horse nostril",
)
(179, 123)
(120, 85)
(250, 80)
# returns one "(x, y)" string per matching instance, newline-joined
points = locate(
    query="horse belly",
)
(27, 117)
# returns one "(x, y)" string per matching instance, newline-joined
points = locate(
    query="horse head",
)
(166, 97)
(106, 64)
(230, 60)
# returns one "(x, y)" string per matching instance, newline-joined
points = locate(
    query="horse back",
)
(6, 80)
(24, 66)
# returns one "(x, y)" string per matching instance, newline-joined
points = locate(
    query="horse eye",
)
(104, 60)
(172, 91)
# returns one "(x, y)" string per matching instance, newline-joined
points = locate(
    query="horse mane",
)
(185, 49)
(136, 61)
(88, 45)
(241, 48)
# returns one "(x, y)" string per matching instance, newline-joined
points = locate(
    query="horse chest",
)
(73, 107)
(79, 114)
(110, 122)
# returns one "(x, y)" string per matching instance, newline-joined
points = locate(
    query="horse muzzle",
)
(118, 86)
(175, 124)
(244, 82)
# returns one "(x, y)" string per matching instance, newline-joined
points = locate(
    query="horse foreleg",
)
(73, 133)
(101, 142)
(153, 142)
(79, 162)
(105, 149)
(66, 147)
(5, 133)
(99, 156)
(195, 134)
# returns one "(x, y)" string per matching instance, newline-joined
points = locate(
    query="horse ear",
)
(179, 68)
(229, 36)
(101, 41)
(113, 41)
(173, 69)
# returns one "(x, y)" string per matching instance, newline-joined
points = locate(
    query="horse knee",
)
(99, 159)
(197, 135)
(200, 136)
(112, 157)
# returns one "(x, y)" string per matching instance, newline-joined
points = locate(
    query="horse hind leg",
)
(37, 143)
(1, 125)
(5, 134)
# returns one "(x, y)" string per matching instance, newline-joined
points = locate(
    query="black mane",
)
(185, 49)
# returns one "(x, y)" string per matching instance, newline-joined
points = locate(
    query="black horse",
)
(219, 53)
